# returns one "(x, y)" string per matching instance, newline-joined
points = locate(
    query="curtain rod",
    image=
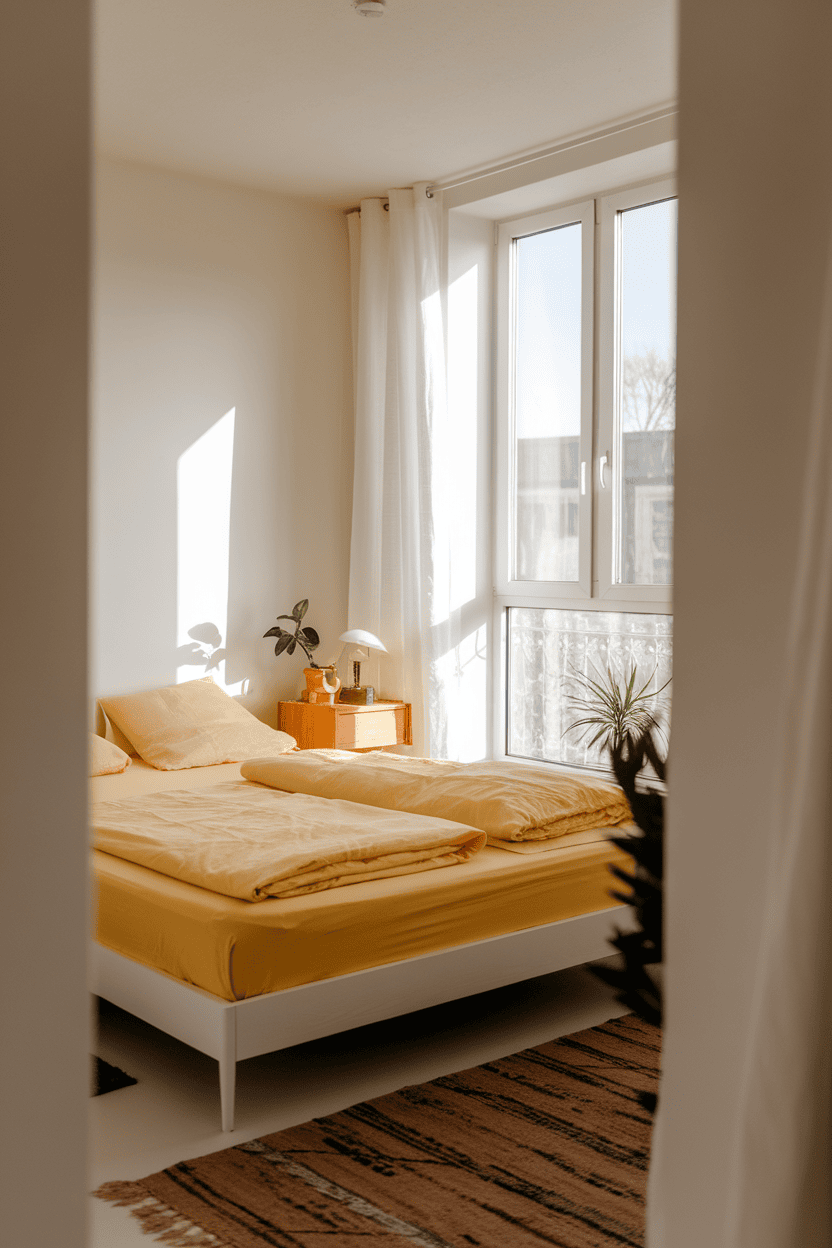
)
(553, 149)
(385, 202)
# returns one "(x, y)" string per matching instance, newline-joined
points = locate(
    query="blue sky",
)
(549, 313)
(548, 396)
(649, 278)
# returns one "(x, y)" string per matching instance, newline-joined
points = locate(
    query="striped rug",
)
(549, 1146)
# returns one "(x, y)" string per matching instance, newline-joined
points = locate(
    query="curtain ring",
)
(429, 192)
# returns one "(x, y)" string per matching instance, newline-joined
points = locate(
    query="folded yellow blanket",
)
(251, 842)
(510, 802)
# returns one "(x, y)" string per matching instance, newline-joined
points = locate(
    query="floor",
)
(172, 1112)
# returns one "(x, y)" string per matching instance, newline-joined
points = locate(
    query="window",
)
(545, 361)
(636, 411)
(586, 380)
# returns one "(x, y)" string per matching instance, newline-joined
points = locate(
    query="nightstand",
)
(316, 726)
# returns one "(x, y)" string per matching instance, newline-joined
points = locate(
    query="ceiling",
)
(308, 98)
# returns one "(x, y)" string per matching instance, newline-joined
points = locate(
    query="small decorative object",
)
(358, 694)
(322, 684)
(306, 638)
(616, 710)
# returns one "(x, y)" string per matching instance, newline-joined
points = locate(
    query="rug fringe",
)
(158, 1219)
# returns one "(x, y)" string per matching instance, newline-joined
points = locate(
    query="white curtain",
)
(782, 1189)
(400, 555)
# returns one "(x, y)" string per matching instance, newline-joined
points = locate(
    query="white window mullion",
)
(587, 398)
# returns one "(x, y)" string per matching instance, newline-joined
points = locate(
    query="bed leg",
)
(228, 1069)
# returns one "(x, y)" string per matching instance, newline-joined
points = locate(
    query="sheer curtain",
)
(781, 1191)
(400, 554)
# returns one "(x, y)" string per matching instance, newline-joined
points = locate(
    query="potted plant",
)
(321, 682)
(612, 709)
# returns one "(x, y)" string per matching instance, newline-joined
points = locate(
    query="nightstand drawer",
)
(368, 730)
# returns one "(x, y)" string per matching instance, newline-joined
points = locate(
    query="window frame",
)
(609, 350)
(508, 232)
(595, 592)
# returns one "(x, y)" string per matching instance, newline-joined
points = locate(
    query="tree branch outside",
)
(648, 392)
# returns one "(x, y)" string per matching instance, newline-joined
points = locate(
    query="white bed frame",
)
(231, 1031)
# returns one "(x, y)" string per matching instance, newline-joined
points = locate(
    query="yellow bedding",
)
(246, 841)
(519, 807)
(235, 949)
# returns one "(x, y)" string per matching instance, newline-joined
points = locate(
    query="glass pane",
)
(647, 394)
(549, 651)
(547, 405)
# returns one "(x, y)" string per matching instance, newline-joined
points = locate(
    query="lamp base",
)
(357, 695)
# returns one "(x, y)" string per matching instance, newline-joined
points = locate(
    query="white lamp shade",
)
(360, 637)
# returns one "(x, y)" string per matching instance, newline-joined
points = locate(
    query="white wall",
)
(755, 193)
(44, 227)
(210, 298)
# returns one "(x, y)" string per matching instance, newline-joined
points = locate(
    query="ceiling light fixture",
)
(369, 8)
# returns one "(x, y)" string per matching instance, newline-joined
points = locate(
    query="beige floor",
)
(172, 1113)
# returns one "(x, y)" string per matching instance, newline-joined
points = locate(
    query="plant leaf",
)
(593, 687)
(631, 684)
(299, 609)
(641, 691)
(283, 642)
(290, 648)
(617, 711)
(276, 630)
(310, 637)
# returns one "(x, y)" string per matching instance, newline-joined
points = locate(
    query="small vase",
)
(322, 684)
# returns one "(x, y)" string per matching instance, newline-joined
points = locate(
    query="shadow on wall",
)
(205, 650)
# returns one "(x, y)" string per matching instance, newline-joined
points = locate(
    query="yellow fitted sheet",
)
(238, 949)
(140, 777)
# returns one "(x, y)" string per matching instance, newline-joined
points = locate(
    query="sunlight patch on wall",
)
(462, 676)
(203, 493)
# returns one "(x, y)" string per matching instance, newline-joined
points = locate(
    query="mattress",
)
(237, 949)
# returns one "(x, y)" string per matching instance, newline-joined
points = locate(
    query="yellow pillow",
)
(192, 725)
(105, 757)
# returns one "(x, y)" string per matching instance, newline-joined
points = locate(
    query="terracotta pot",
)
(322, 684)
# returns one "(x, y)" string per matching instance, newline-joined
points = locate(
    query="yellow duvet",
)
(518, 807)
(251, 842)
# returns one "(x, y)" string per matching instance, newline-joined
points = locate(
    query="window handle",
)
(603, 463)
(583, 476)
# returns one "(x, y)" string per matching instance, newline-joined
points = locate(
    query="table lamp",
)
(358, 694)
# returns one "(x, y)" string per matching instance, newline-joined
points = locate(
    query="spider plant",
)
(306, 638)
(616, 708)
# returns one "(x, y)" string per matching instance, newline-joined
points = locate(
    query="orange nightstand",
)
(316, 726)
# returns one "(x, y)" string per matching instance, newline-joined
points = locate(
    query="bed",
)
(235, 979)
